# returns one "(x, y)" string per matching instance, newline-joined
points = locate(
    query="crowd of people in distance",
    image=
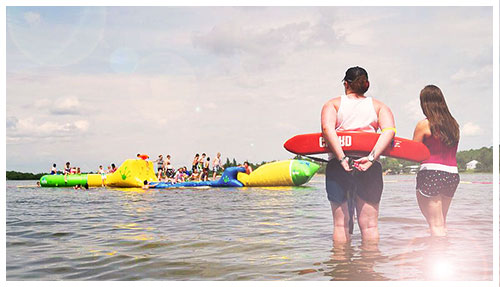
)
(200, 169)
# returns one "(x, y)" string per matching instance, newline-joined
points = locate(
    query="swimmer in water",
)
(148, 185)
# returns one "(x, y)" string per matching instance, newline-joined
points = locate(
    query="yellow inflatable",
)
(280, 173)
(132, 173)
(95, 180)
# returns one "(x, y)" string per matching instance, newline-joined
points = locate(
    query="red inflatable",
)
(143, 156)
(360, 143)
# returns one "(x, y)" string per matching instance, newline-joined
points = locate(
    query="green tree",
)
(15, 175)
(228, 163)
(395, 165)
(483, 155)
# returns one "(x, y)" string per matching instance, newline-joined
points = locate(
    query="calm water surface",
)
(239, 234)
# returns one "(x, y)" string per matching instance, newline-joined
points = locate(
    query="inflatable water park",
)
(139, 173)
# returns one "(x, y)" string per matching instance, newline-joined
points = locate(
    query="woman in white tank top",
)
(361, 183)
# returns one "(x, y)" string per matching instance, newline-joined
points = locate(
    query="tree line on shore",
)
(483, 155)
(16, 175)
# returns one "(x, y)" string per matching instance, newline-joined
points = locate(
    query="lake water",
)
(239, 234)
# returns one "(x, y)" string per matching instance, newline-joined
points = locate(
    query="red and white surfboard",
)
(360, 143)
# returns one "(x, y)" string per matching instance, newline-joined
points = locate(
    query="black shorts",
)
(435, 182)
(367, 185)
(169, 172)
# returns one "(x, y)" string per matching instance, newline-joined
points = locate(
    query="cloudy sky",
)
(99, 85)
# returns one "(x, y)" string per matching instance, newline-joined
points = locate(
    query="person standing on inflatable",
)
(361, 183)
(437, 179)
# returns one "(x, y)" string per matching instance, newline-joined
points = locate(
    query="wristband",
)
(344, 158)
(394, 129)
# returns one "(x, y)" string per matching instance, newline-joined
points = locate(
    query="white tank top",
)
(356, 115)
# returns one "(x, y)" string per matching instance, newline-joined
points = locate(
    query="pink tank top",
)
(440, 153)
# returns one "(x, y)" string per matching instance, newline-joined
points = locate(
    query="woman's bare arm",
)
(328, 120)
(421, 130)
(386, 123)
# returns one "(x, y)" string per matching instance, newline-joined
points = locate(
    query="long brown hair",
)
(442, 123)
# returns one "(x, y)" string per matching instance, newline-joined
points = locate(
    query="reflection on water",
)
(347, 263)
(238, 234)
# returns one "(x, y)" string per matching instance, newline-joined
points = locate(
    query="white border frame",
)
(496, 125)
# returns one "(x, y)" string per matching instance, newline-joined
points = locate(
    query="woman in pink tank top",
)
(437, 179)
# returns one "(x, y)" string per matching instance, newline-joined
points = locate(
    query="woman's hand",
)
(345, 164)
(362, 164)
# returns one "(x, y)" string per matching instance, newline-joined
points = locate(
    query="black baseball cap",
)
(353, 73)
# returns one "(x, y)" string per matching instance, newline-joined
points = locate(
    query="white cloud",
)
(32, 18)
(267, 44)
(471, 129)
(81, 125)
(29, 129)
(66, 106)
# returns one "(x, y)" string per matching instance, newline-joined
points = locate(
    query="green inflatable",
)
(57, 180)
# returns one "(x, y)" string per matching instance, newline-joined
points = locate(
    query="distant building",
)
(472, 164)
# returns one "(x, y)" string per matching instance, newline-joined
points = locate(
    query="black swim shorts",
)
(435, 182)
(367, 185)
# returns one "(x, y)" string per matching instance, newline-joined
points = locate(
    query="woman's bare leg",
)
(367, 219)
(432, 209)
(340, 214)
